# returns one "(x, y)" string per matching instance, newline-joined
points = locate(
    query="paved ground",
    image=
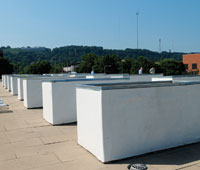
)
(27, 142)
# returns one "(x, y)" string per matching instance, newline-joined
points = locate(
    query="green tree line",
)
(113, 64)
(69, 55)
(43, 60)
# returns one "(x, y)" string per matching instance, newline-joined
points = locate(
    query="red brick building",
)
(192, 62)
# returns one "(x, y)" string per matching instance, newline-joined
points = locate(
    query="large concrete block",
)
(144, 77)
(59, 98)
(13, 84)
(8, 83)
(183, 78)
(165, 78)
(32, 90)
(120, 121)
(20, 88)
(2, 80)
(20, 84)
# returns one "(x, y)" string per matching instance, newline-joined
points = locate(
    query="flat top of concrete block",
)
(177, 76)
(46, 77)
(144, 75)
(131, 85)
(84, 79)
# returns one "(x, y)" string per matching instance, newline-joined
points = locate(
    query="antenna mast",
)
(160, 48)
(137, 14)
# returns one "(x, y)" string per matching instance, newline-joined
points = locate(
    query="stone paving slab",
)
(28, 142)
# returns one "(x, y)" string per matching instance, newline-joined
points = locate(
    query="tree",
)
(172, 67)
(107, 64)
(39, 67)
(141, 62)
(125, 65)
(5, 66)
(57, 68)
(87, 63)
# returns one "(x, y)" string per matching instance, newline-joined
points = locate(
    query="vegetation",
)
(5, 66)
(69, 55)
(39, 67)
(172, 67)
(113, 64)
(44, 60)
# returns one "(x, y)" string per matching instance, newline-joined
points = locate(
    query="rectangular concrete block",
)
(20, 88)
(121, 121)
(8, 83)
(59, 98)
(13, 82)
(32, 90)
(2, 78)
(144, 77)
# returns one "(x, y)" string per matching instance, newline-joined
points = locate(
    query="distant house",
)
(1, 53)
(192, 62)
(70, 68)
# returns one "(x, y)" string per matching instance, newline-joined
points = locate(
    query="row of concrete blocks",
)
(120, 117)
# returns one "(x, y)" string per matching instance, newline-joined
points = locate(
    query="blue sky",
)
(107, 23)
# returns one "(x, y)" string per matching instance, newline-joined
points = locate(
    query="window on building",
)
(194, 66)
(186, 66)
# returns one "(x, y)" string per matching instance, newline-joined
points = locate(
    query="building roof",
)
(27, 142)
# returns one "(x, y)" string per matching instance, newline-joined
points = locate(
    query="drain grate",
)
(137, 167)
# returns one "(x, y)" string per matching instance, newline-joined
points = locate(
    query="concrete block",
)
(121, 121)
(59, 98)
(32, 91)
(20, 88)
(144, 77)
(166, 78)
(8, 83)
(13, 82)
(2, 82)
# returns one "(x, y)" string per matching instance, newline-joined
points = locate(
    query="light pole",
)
(137, 14)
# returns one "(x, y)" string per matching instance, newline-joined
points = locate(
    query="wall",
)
(192, 58)
(138, 121)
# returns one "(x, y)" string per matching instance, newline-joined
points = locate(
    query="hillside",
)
(72, 54)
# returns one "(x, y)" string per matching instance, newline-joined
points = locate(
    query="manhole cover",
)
(137, 167)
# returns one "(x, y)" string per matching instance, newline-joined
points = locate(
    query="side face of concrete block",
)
(47, 101)
(32, 93)
(89, 121)
(14, 89)
(20, 88)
